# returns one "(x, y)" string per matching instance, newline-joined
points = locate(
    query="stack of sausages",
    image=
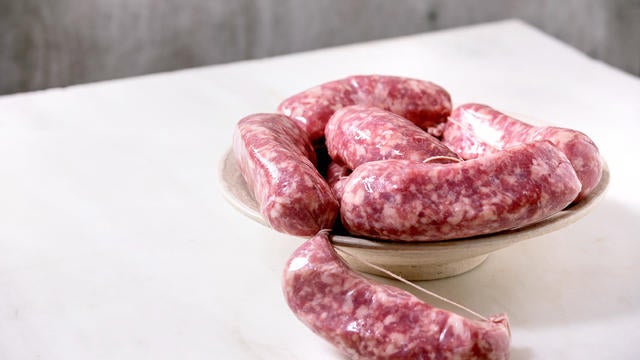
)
(404, 166)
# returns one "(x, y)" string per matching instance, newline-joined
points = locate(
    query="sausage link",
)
(336, 177)
(277, 161)
(358, 134)
(366, 320)
(475, 130)
(424, 103)
(409, 201)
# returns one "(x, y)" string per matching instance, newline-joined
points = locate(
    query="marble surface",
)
(116, 243)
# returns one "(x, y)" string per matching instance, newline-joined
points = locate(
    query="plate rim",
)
(228, 169)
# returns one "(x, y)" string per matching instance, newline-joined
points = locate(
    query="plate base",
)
(417, 271)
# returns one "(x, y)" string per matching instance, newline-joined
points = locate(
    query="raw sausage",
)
(277, 161)
(358, 134)
(475, 129)
(423, 102)
(409, 201)
(336, 177)
(366, 320)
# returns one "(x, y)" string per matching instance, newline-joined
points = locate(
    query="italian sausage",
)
(366, 320)
(476, 129)
(423, 102)
(277, 161)
(336, 177)
(358, 134)
(409, 201)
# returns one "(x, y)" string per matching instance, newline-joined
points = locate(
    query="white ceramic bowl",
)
(416, 261)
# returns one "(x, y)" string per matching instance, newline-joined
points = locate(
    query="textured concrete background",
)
(49, 43)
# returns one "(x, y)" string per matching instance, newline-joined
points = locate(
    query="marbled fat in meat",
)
(475, 130)
(367, 320)
(422, 102)
(336, 177)
(408, 201)
(358, 134)
(277, 161)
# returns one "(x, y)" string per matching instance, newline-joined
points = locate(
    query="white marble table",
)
(116, 242)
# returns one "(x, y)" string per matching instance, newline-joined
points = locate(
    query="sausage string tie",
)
(407, 282)
(441, 157)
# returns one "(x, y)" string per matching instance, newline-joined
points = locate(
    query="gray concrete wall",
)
(48, 43)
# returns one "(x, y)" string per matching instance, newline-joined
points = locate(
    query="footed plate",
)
(419, 260)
